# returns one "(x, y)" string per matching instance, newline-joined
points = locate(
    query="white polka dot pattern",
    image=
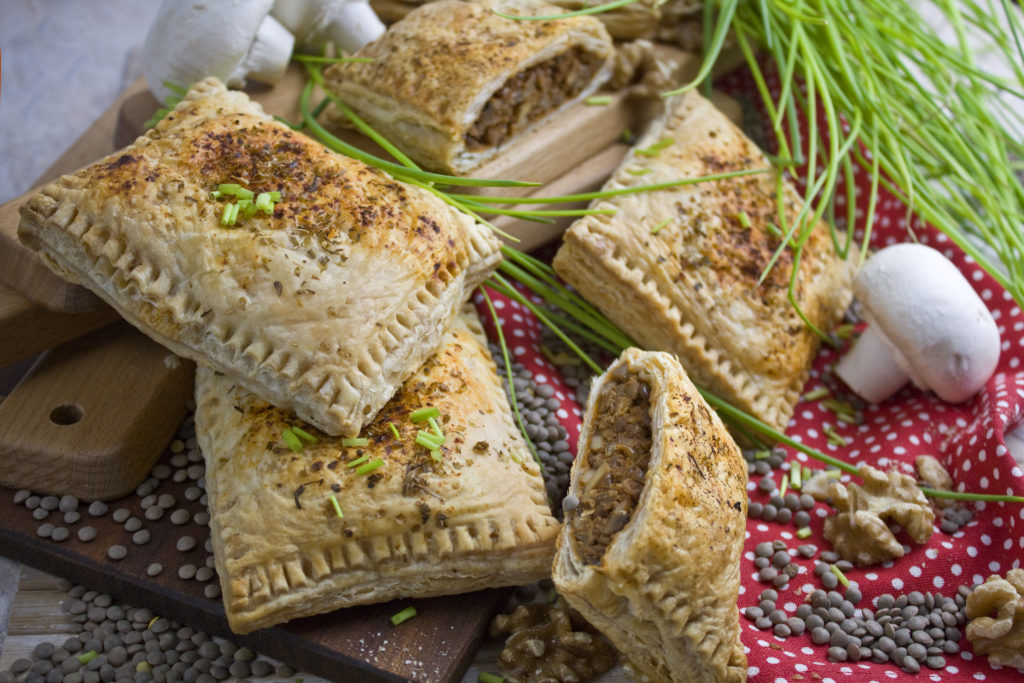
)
(968, 439)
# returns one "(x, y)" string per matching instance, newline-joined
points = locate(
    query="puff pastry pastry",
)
(413, 527)
(651, 556)
(323, 307)
(452, 84)
(678, 269)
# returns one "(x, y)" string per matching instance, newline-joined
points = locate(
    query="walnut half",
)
(859, 531)
(1001, 637)
(551, 644)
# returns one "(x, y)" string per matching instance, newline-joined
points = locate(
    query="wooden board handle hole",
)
(66, 414)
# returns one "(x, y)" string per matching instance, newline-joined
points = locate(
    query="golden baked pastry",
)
(452, 84)
(651, 554)
(413, 527)
(323, 307)
(678, 269)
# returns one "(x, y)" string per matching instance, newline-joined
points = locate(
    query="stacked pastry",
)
(334, 312)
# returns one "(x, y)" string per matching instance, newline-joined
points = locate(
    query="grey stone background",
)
(63, 63)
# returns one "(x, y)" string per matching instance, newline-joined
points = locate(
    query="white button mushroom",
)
(233, 40)
(925, 323)
(349, 24)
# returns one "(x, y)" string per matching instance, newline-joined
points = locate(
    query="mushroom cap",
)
(928, 312)
(191, 40)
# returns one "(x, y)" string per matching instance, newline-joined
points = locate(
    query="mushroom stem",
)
(873, 368)
(349, 24)
(268, 56)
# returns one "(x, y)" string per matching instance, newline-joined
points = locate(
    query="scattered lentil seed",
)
(117, 552)
(141, 537)
(185, 543)
(86, 533)
(60, 534)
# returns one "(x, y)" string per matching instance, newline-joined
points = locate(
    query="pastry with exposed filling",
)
(323, 303)
(346, 522)
(680, 270)
(650, 555)
(453, 84)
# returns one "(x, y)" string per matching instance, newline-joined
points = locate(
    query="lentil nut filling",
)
(529, 95)
(617, 456)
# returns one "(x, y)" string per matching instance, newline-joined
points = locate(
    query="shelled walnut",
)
(551, 643)
(932, 473)
(859, 531)
(1001, 638)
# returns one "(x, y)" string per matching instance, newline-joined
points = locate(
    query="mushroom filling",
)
(529, 95)
(617, 456)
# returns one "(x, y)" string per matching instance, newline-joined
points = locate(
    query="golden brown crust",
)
(691, 286)
(433, 71)
(324, 307)
(665, 589)
(411, 528)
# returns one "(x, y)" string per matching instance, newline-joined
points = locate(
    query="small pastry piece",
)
(474, 517)
(651, 555)
(677, 270)
(323, 305)
(453, 83)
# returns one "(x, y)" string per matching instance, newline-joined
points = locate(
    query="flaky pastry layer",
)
(415, 526)
(323, 307)
(665, 589)
(678, 269)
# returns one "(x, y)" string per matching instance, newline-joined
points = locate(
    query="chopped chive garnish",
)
(599, 99)
(337, 507)
(404, 615)
(803, 532)
(436, 428)
(841, 576)
(656, 148)
(435, 456)
(785, 483)
(423, 414)
(430, 436)
(356, 441)
(230, 189)
(762, 455)
(304, 435)
(292, 440)
(368, 467)
(485, 677)
(246, 207)
(773, 230)
(275, 196)
(215, 194)
(638, 171)
(87, 657)
(814, 395)
(243, 193)
(263, 202)
(657, 228)
(844, 331)
(394, 430)
(427, 440)
(225, 215)
(794, 476)
(834, 438)
(744, 220)
(358, 461)
(833, 474)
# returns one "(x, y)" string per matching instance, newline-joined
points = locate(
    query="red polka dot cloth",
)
(968, 439)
